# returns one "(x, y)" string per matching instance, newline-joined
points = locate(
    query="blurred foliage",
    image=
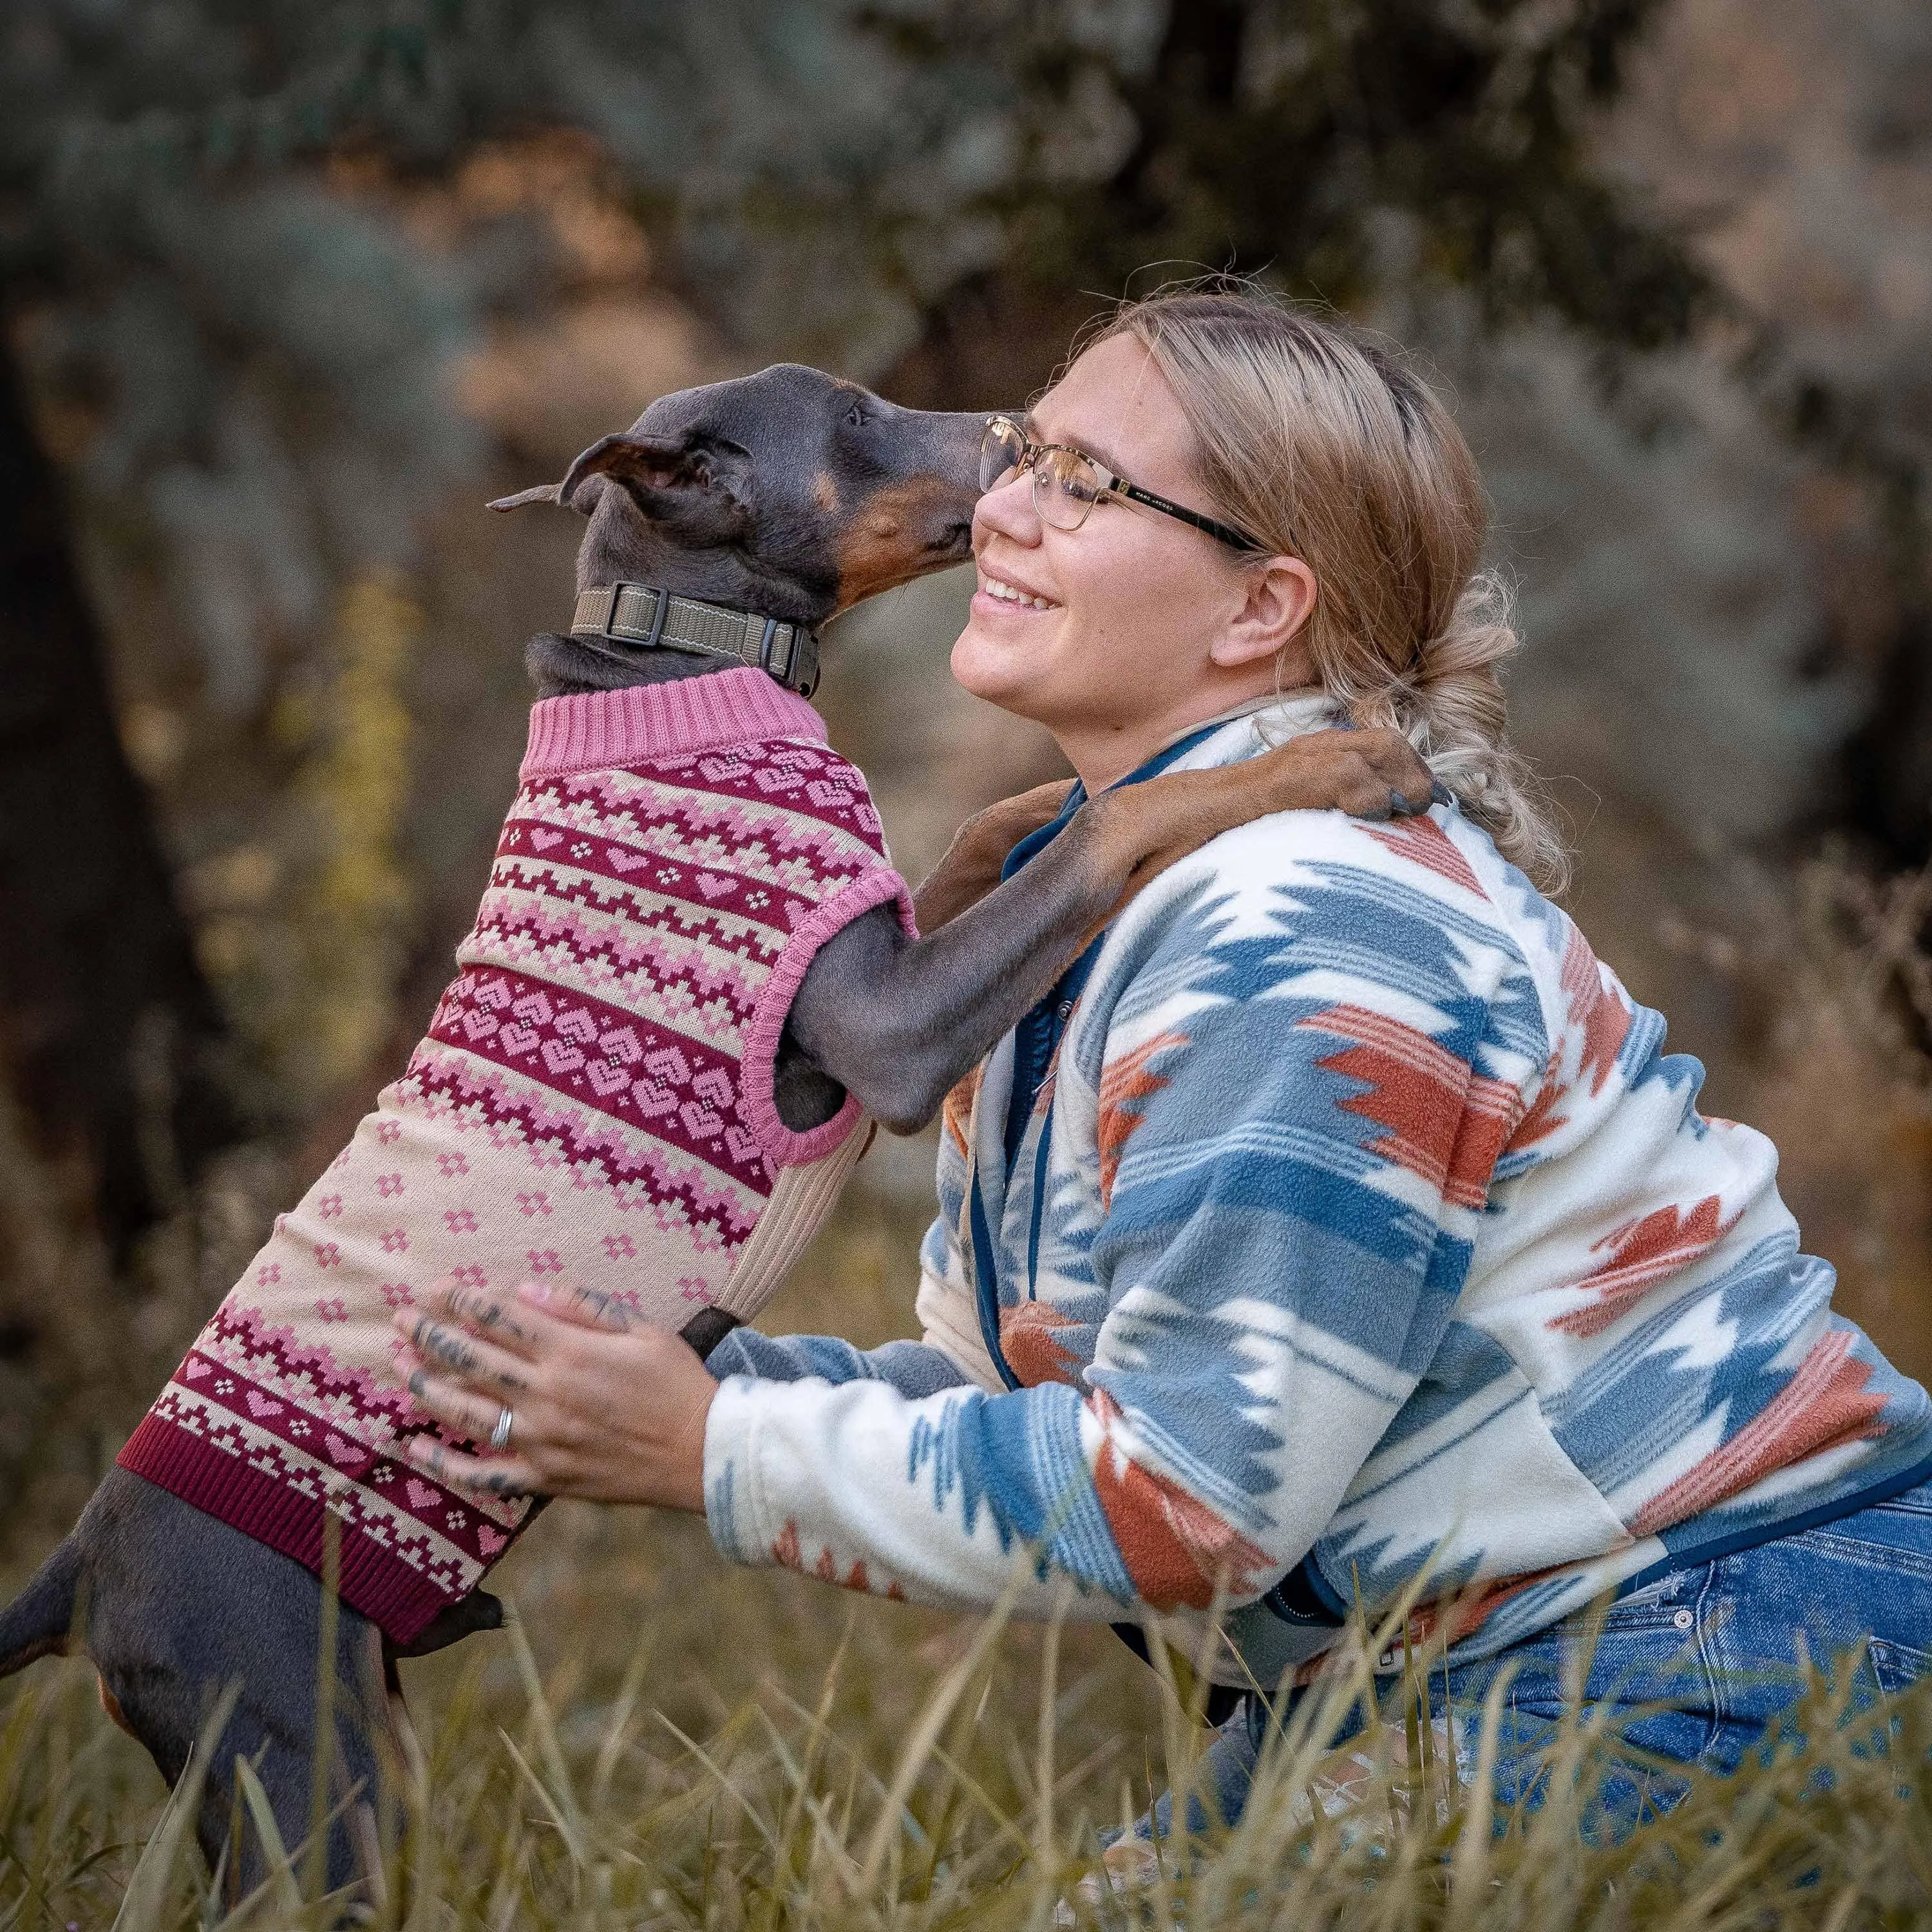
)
(260, 367)
(1339, 149)
(305, 927)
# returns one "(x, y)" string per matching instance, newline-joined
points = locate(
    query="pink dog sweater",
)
(593, 1102)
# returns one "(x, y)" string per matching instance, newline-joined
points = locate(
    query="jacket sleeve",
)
(913, 1368)
(1289, 1098)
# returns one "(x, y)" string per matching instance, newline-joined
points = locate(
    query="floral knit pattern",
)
(592, 1101)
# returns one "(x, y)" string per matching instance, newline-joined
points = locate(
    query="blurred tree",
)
(108, 1023)
(1339, 149)
(243, 352)
(248, 373)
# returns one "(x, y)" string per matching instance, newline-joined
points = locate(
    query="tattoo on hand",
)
(447, 1348)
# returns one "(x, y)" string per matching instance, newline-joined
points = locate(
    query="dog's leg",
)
(896, 1021)
(178, 1605)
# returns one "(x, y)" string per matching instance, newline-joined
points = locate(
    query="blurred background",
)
(290, 290)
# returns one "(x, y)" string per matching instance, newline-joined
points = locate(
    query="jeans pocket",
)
(1897, 1666)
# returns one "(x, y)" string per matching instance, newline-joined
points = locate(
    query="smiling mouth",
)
(1008, 593)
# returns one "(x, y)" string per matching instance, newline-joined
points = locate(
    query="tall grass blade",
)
(144, 1902)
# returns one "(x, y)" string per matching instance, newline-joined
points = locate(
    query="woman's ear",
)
(1280, 598)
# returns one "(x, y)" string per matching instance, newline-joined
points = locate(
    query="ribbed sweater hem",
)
(605, 729)
(400, 1600)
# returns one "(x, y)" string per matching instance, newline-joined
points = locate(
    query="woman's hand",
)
(603, 1406)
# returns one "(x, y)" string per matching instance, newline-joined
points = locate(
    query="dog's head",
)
(790, 492)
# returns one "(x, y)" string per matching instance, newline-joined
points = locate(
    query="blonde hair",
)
(1317, 441)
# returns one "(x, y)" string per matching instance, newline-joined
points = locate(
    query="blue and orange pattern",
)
(1362, 1223)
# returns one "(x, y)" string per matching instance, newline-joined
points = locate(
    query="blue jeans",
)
(1719, 1646)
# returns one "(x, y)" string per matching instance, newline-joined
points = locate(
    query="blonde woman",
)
(1338, 1222)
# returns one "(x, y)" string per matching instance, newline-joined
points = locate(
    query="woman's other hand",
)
(971, 869)
(603, 1406)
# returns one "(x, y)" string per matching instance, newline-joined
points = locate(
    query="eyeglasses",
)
(1067, 483)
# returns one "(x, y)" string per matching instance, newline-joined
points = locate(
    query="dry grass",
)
(658, 1745)
(665, 1741)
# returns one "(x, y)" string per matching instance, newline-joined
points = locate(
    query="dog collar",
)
(655, 619)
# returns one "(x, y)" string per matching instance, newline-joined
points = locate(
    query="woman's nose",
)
(1007, 510)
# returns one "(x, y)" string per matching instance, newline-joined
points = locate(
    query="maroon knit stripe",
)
(270, 1408)
(781, 811)
(655, 1081)
(710, 889)
(831, 792)
(450, 1083)
(530, 931)
(392, 1595)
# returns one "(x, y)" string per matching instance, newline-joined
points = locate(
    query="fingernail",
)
(538, 1292)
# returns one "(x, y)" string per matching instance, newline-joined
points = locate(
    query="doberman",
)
(792, 496)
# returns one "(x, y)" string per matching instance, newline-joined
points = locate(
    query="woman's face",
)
(1120, 633)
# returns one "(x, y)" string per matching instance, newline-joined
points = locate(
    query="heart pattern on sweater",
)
(652, 1100)
(592, 1036)
(562, 1058)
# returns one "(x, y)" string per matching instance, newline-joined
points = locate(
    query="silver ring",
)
(500, 1436)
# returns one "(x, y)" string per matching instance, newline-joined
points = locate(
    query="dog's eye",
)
(856, 416)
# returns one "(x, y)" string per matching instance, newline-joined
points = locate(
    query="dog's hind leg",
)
(178, 1606)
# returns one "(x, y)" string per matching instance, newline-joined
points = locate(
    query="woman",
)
(1338, 1224)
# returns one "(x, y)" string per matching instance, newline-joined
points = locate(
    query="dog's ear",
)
(542, 492)
(689, 482)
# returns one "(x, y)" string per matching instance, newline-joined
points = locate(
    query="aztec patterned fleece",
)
(1359, 1223)
(593, 1099)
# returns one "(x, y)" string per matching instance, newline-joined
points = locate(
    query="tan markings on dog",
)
(825, 492)
(111, 1705)
(889, 540)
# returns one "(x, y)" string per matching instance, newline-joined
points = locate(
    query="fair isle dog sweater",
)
(593, 1102)
(1359, 1233)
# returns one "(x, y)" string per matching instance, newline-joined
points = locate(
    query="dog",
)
(725, 526)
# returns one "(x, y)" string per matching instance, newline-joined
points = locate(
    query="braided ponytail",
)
(1325, 446)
